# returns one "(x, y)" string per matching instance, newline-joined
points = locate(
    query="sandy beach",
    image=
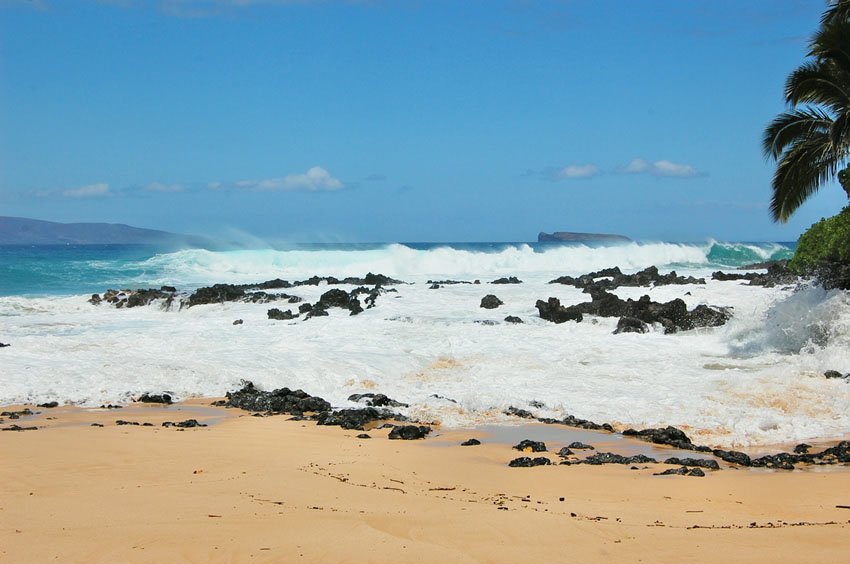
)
(269, 489)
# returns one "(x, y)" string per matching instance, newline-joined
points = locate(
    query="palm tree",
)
(811, 141)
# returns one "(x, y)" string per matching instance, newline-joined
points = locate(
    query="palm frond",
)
(803, 168)
(832, 41)
(789, 127)
(839, 10)
(839, 132)
(818, 82)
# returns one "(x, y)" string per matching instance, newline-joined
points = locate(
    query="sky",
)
(401, 120)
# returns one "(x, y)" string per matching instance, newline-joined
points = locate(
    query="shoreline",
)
(269, 488)
(211, 411)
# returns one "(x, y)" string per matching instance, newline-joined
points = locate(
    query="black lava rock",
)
(667, 436)
(19, 428)
(611, 278)
(553, 311)
(216, 294)
(155, 398)
(509, 280)
(681, 471)
(409, 432)
(513, 319)
(49, 405)
(305, 307)
(611, 458)
(527, 445)
(238, 322)
(279, 315)
(700, 462)
(4, 345)
(631, 325)
(278, 401)
(802, 448)
(316, 311)
(187, 424)
(832, 374)
(781, 461)
(733, 456)
(578, 445)
(356, 418)
(376, 400)
(565, 451)
(471, 442)
(17, 414)
(517, 412)
(363, 436)
(673, 315)
(491, 302)
(573, 421)
(526, 462)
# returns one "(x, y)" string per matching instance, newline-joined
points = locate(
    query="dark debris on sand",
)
(526, 462)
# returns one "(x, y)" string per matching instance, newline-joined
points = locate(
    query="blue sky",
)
(400, 120)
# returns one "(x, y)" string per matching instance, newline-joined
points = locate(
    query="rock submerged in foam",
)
(490, 302)
(673, 315)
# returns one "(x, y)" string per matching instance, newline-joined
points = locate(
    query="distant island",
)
(581, 237)
(23, 231)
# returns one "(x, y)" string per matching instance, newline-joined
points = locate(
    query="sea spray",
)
(197, 266)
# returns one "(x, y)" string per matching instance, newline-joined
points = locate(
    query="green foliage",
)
(827, 241)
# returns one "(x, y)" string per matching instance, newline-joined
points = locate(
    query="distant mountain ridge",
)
(24, 231)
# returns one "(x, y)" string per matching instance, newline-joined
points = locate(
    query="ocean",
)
(755, 381)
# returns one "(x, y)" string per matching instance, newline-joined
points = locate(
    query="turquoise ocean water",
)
(82, 269)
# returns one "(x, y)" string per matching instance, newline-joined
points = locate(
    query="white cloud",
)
(578, 171)
(89, 191)
(660, 168)
(314, 180)
(636, 166)
(160, 187)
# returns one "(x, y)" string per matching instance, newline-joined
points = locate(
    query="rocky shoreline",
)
(378, 414)
(634, 316)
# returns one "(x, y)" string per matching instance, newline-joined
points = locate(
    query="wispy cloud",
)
(660, 168)
(89, 191)
(160, 187)
(568, 172)
(316, 179)
(577, 171)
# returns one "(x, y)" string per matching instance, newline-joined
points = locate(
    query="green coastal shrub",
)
(827, 241)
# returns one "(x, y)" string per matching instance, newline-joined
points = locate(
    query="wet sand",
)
(269, 490)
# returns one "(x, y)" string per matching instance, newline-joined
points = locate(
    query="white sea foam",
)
(198, 266)
(757, 380)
